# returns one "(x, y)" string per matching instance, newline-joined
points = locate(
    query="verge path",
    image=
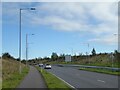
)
(33, 80)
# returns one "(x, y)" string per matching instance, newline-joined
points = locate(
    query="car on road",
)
(47, 66)
(41, 65)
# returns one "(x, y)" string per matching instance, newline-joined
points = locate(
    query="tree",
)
(7, 55)
(93, 52)
(117, 55)
(54, 56)
(46, 58)
(62, 57)
(23, 61)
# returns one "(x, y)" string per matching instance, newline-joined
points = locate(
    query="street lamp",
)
(27, 47)
(87, 53)
(20, 10)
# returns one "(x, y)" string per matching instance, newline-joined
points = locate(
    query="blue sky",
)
(60, 27)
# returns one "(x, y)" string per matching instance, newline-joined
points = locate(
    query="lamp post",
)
(20, 32)
(87, 53)
(27, 47)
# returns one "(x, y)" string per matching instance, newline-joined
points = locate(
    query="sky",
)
(61, 27)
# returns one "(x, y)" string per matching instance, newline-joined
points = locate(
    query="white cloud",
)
(108, 39)
(59, 1)
(97, 19)
(104, 11)
(58, 23)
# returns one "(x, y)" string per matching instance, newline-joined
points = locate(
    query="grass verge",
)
(107, 64)
(101, 71)
(52, 81)
(14, 79)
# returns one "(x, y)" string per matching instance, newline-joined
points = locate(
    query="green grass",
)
(52, 81)
(0, 85)
(101, 71)
(107, 64)
(10, 73)
(98, 60)
(14, 79)
(115, 65)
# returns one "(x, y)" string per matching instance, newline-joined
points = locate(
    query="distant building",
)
(67, 58)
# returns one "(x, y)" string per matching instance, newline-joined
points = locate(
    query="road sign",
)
(68, 58)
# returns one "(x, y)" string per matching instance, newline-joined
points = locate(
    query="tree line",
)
(61, 57)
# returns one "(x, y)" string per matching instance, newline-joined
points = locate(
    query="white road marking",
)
(101, 81)
(63, 81)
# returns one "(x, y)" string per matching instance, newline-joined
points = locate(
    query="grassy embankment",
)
(10, 73)
(105, 61)
(52, 81)
(101, 71)
(98, 60)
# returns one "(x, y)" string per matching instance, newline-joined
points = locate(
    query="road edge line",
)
(63, 80)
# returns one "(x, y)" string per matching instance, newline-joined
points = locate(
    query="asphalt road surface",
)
(84, 79)
(33, 80)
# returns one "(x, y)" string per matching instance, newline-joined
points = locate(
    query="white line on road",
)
(63, 81)
(101, 81)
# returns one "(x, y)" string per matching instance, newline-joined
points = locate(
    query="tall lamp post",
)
(27, 47)
(87, 53)
(20, 32)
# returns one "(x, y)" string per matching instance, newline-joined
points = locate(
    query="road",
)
(84, 79)
(33, 80)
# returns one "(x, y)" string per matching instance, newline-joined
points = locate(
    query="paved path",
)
(33, 80)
